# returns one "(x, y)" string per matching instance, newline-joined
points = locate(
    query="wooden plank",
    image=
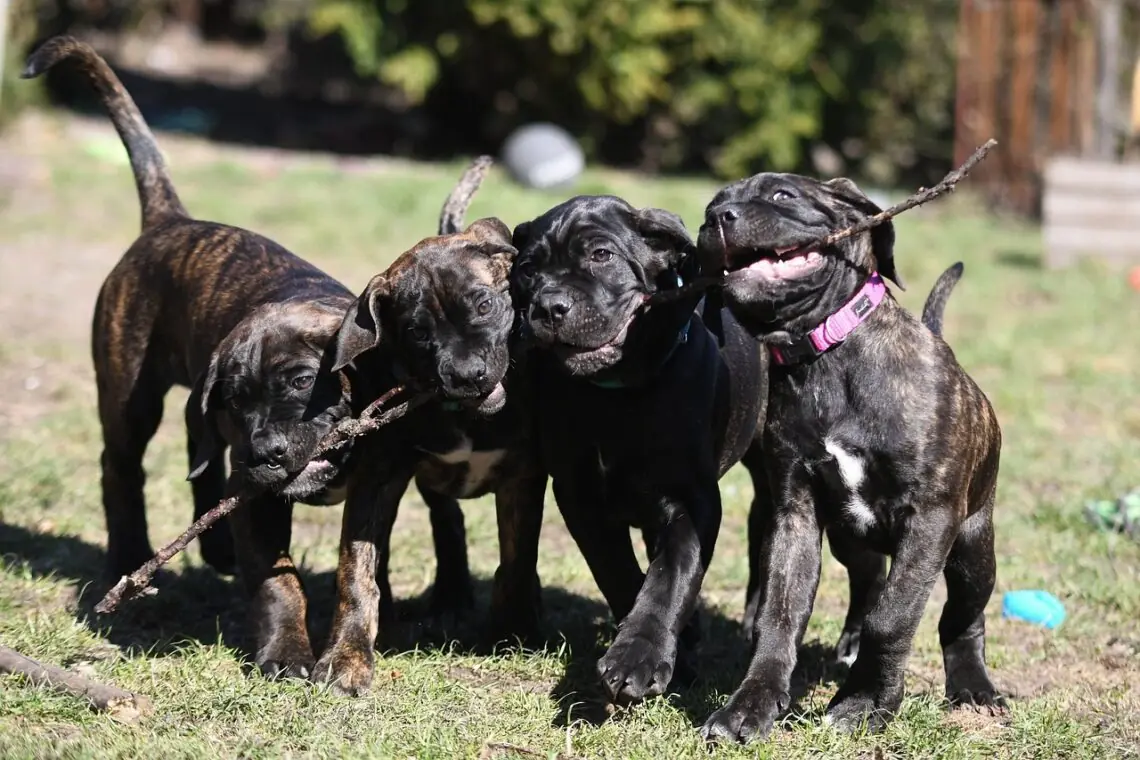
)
(1123, 243)
(1084, 210)
(1092, 176)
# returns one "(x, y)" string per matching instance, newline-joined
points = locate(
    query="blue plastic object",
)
(1038, 607)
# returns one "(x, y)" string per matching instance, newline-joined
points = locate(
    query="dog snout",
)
(470, 373)
(723, 215)
(268, 447)
(551, 307)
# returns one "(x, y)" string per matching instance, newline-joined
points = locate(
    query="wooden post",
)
(1021, 143)
(3, 47)
(1110, 16)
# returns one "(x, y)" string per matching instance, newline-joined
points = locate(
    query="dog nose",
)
(724, 215)
(552, 308)
(469, 373)
(268, 448)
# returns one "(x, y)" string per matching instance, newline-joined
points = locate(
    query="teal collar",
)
(682, 338)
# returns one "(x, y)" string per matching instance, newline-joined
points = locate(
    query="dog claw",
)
(636, 668)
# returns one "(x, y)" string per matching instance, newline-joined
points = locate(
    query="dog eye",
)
(782, 195)
(526, 268)
(600, 255)
(302, 382)
(419, 333)
(484, 308)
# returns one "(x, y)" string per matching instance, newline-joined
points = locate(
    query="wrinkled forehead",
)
(276, 335)
(760, 185)
(579, 217)
(434, 269)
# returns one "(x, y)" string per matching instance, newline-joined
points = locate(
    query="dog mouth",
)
(773, 264)
(491, 403)
(313, 477)
(610, 346)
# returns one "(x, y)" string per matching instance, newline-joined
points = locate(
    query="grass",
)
(1042, 344)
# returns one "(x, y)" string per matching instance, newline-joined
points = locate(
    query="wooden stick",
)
(924, 195)
(122, 705)
(370, 419)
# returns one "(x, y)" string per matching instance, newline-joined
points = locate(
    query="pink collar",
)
(835, 329)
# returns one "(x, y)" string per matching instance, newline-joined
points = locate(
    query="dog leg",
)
(130, 414)
(516, 597)
(217, 543)
(970, 573)
(866, 574)
(789, 559)
(453, 594)
(361, 579)
(873, 691)
(641, 661)
(262, 528)
(758, 515)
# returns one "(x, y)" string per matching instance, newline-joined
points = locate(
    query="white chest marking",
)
(852, 472)
(480, 464)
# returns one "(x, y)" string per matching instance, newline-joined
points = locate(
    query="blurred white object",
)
(543, 156)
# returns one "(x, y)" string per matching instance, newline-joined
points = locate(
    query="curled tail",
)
(939, 294)
(455, 207)
(156, 192)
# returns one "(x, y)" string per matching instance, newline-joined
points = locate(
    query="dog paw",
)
(347, 674)
(847, 650)
(984, 699)
(637, 667)
(280, 668)
(750, 714)
(851, 712)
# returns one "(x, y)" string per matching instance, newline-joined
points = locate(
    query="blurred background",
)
(887, 91)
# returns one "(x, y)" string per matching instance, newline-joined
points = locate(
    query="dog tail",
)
(455, 207)
(939, 295)
(156, 192)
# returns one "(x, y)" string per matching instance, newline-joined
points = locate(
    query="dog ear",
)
(882, 235)
(495, 238)
(664, 226)
(200, 420)
(521, 235)
(360, 328)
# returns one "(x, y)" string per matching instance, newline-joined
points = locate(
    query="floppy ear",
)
(200, 420)
(521, 235)
(664, 227)
(882, 235)
(360, 328)
(495, 239)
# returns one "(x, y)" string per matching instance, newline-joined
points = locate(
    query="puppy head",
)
(584, 271)
(443, 313)
(762, 232)
(269, 391)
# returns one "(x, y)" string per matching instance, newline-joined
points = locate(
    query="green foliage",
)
(735, 85)
(16, 93)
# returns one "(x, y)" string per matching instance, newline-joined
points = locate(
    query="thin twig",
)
(122, 705)
(924, 195)
(369, 420)
(455, 207)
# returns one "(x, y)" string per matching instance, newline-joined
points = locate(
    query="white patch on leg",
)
(848, 659)
(852, 472)
(480, 464)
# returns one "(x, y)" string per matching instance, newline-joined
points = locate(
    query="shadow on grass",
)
(200, 605)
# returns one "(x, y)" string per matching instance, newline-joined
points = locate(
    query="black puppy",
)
(875, 435)
(248, 323)
(439, 319)
(639, 415)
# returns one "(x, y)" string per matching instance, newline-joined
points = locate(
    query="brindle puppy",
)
(875, 435)
(250, 325)
(439, 318)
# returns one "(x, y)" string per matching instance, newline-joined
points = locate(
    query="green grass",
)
(1045, 347)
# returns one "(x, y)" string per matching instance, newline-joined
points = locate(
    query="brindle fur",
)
(238, 317)
(419, 324)
(883, 443)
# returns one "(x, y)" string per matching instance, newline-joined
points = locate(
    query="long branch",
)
(924, 195)
(124, 705)
(369, 420)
